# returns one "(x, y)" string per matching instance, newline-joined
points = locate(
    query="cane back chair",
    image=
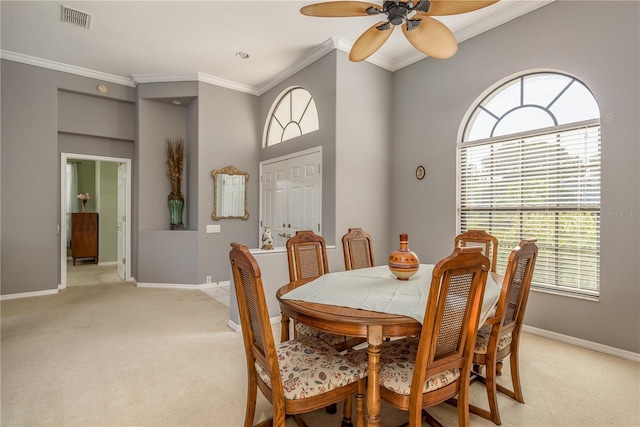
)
(307, 257)
(483, 239)
(420, 372)
(500, 335)
(328, 377)
(357, 247)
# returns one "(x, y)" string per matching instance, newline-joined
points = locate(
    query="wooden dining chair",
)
(357, 247)
(419, 372)
(483, 239)
(296, 376)
(500, 335)
(307, 257)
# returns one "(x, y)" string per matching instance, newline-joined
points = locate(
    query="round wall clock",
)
(420, 172)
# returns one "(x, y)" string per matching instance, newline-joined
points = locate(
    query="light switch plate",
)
(213, 228)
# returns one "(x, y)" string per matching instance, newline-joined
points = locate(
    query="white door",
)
(291, 196)
(305, 197)
(122, 220)
(274, 202)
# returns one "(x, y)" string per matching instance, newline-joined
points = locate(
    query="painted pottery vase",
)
(403, 262)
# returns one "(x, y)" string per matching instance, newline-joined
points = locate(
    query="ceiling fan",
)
(425, 33)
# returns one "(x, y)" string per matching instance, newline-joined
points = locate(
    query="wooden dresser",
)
(84, 236)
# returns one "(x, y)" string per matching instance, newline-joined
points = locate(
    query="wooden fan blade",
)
(336, 9)
(454, 7)
(369, 42)
(432, 38)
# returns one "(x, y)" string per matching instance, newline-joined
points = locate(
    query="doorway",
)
(118, 266)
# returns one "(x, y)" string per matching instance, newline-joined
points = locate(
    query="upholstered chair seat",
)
(310, 367)
(331, 339)
(398, 360)
(482, 340)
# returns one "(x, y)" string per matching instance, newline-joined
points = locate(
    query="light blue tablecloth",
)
(377, 289)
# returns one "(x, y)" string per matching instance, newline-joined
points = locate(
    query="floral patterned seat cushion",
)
(482, 340)
(310, 331)
(397, 359)
(310, 367)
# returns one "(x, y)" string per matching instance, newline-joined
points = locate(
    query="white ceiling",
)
(134, 41)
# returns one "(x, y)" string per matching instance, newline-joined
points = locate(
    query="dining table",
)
(370, 303)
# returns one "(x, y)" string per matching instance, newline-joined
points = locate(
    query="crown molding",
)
(314, 55)
(515, 10)
(190, 77)
(65, 68)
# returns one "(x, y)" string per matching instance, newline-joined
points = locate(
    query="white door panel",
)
(122, 221)
(298, 196)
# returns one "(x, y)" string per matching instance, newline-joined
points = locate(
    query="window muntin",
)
(293, 114)
(533, 170)
(545, 99)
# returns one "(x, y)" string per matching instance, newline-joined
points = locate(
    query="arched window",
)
(529, 166)
(293, 114)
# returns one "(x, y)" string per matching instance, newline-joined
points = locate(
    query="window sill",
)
(592, 298)
(277, 250)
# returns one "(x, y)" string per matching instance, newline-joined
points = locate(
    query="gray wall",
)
(363, 175)
(220, 129)
(319, 79)
(30, 170)
(354, 133)
(229, 135)
(598, 42)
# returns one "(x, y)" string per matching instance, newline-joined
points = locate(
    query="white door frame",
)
(64, 158)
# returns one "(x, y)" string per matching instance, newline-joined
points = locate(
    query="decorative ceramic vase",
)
(267, 238)
(404, 263)
(176, 205)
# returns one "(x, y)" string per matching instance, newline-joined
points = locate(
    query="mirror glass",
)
(229, 193)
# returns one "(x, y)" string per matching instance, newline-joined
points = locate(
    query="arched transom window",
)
(293, 114)
(529, 166)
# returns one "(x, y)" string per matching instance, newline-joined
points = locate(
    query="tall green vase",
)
(176, 205)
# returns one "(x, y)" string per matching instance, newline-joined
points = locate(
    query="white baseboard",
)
(202, 286)
(28, 294)
(624, 354)
(236, 327)
(107, 263)
(220, 284)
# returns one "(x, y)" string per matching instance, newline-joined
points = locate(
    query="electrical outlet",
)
(208, 278)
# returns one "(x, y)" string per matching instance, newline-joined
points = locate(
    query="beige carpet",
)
(116, 355)
(86, 272)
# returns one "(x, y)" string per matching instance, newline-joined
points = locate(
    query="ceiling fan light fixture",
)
(373, 11)
(412, 24)
(396, 11)
(425, 33)
(423, 6)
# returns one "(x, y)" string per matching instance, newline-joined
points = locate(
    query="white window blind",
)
(544, 185)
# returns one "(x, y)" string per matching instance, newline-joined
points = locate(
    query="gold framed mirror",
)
(229, 193)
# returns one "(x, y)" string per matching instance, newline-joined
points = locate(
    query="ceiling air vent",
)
(75, 16)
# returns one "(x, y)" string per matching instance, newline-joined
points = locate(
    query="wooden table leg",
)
(284, 328)
(374, 338)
